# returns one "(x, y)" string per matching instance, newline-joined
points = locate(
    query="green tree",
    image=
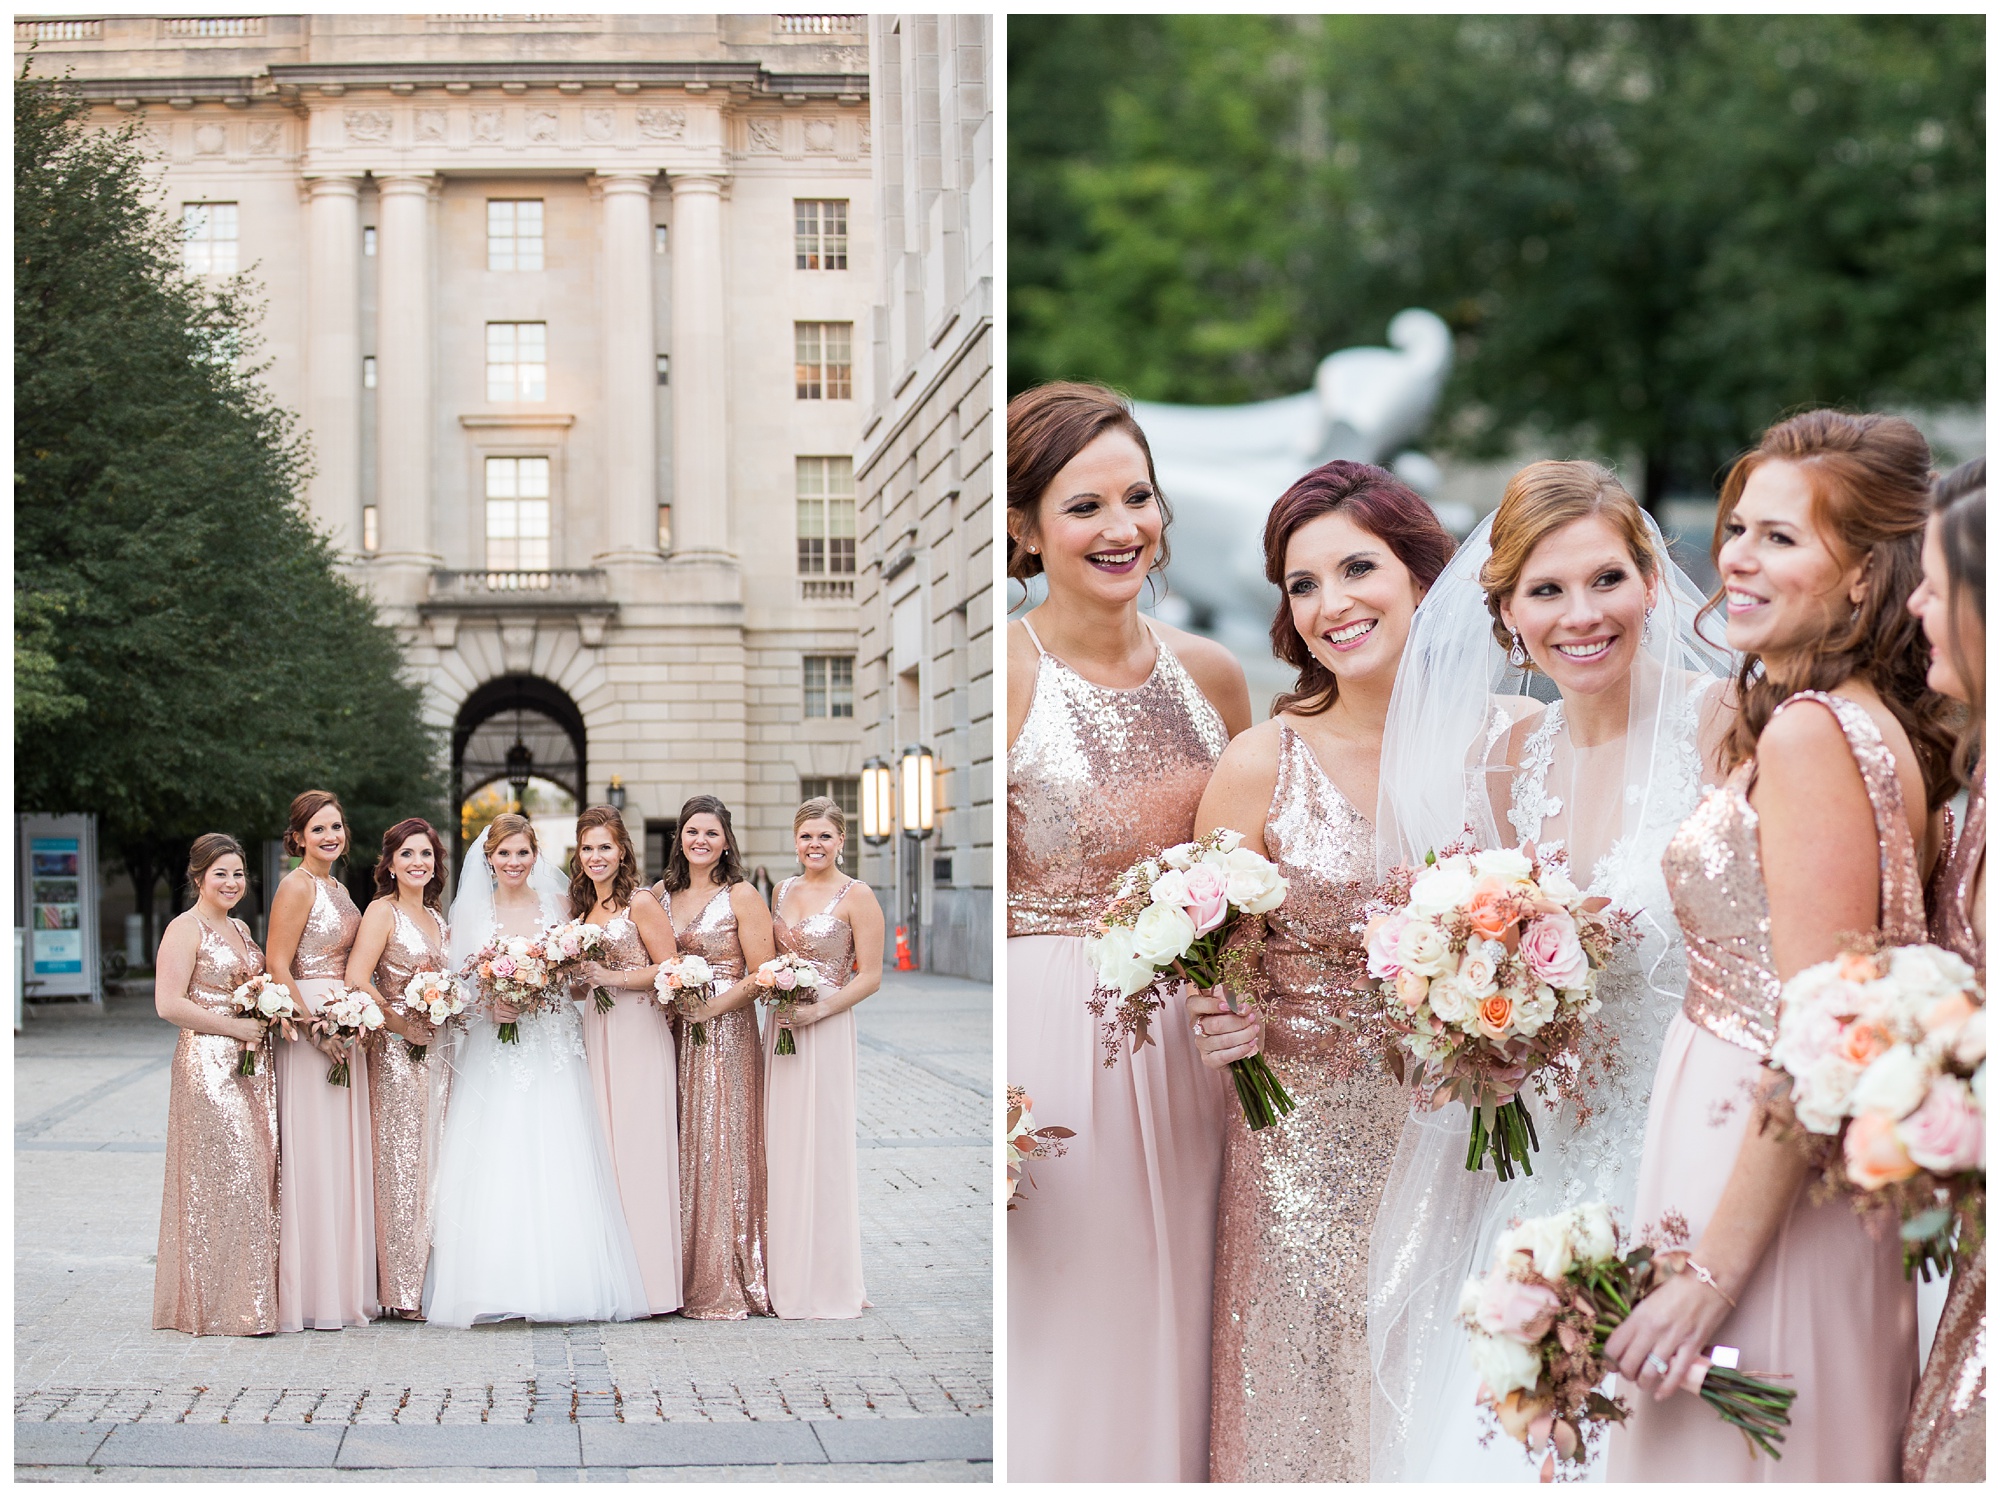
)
(192, 658)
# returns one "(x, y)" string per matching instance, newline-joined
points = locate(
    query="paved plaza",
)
(903, 1393)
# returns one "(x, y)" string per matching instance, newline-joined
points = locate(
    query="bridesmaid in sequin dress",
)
(402, 933)
(1354, 550)
(720, 917)
(631, 1047)
(1814, 835)
(1115, 724)
(326, 1140)
(812, 1172)
(217, 1268)
(1946, 1437)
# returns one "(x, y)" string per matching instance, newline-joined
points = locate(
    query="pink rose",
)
(1207, 899)
(1946, 1134)
(503, 966)
(786, 979)
(1384, 932)
(1520, 1312)
(1875, 1156)
(1553, 953)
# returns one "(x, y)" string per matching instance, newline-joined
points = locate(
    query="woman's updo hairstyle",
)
(1046, 428)
(1541, 499)
(510, 824)
(820, 808)
(305, 806)
(1959, 501)
(209, 849)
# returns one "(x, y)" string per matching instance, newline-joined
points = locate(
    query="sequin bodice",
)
(1326, 851)
(623, 949)
(711, 935)
(1098, 779)
(219, 970)
(329, 932)
(1716, 878)
(822, 938)
(1958, 883)
(412, 947)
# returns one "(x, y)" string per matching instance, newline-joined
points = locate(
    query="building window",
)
(826, 527)
(513, 234)
(517, 360)
(843, 790)
(661, 363)
(659, 239)
(210, 232)
(371, 537)
(825, 360)
(368, 372)
(666, 527)
(820, 227)
(368, 240)
(829, 681)
(517, 514)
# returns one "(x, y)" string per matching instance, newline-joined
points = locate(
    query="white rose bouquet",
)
(682, 985)
(1886, 1054)
(781, 982)
(346, 1016)
(435, 996)
(1170, 920)
(1485, 964)
(514, 970)
(268, 1000)
(1539, 1320)
(568, 946)
(1025, 1141)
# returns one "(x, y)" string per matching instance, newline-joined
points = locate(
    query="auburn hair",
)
(1541, 499)
(392, 843)
(305, 806)
(1046, 428)
(209, 848)
(728, 867)
(582, 887)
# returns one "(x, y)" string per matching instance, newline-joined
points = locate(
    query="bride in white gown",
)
(1585, 734)
(526, 1219)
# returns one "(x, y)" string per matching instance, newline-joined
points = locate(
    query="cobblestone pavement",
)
(905, 1392)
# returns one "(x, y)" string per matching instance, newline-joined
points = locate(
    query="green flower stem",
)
(1259, 1092)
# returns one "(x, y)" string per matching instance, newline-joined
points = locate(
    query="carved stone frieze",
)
(370, 126)
(265, 137)
(764, 136)
(663, 124)
(598, 124)
(819, 137)
(210, 140)
(431, 126)
(488, 127)
(542, 126)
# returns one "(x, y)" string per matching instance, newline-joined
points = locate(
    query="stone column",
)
(699, 374)
(333, 356)
(631, 449)
(403, 369)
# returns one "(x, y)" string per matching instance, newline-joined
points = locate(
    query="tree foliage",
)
(1651, 233)
(187, 658)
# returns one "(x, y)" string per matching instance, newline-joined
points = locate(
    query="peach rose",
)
(1875, 1155)
(1948, 1013)
(1496, 1015)
(1412, 988)
(1854, 966)
(1861, 1042)
(1519, 1411)
(1491, 908)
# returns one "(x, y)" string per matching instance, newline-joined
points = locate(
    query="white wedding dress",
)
(527, 1221)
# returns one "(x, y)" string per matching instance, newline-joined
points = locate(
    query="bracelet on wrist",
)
(1709, 1279)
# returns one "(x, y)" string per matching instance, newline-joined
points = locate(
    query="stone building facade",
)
(575, 309)
(924, 472)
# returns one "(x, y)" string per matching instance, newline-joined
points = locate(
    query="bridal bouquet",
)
(682, 985)
(779, 982)
(346, 1016)
(514, 970)
(1025, 1141)
(436, 996)
(1486, 963)
(1539, 1320)
(1886, 1052)
(265, 998)
(1170, 920)
(570, 944)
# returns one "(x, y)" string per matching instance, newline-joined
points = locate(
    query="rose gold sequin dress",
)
(1299, 1199)
(326, 1147)
(217, 1272)
(1111, 1256)
(631, 1051)
(812, 1168)
(399, 1103)
(1946, 1438)
(1827, 1303)
(722, 1138)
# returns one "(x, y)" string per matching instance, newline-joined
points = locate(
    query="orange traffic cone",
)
(903, 962)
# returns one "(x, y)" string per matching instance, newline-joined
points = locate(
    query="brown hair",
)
(582, 887)
(1381, 504)
(1959, 501)
(820, 808)
(728, 867)
(1046, 428)
(510, 824)
(392, 843)
(209, 848)
(305, 806)
(1540, 500)
(1870, 482)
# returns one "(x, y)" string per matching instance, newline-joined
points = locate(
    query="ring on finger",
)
(1656, 1363)
(1199, 1030)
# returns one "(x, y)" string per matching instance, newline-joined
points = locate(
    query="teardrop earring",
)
(1517, 657)
(1646, 630)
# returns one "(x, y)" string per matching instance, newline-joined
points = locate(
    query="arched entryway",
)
(515, 733)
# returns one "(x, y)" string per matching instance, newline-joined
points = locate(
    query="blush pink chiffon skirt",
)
(326, 1185)
(1111, 1253)
(1828, 1303)
(812, 1171)
(635, 1079)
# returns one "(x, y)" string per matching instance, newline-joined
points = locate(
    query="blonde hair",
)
(508, 824)
(1540, 500)
(820, 808)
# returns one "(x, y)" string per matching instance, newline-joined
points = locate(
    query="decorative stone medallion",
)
(542, 126)
(430, 126)
(663, 124)
(210, 140)
(265, 136)
(486, 127)
(819, 137)
(597, 124)
(763, 136)
(367, 125)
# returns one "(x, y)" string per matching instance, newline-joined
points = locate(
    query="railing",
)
(58, 31)
(817, 25)
(214, 26)
(496, 20)
(826, 589)
(584, 585)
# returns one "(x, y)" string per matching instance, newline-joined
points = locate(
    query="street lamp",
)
(520, 765)
(878, 802)
(615, 793)
(919, 807)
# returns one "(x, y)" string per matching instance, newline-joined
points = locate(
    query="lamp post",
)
(614, 793)
(878, 802)
(520, 765)
(916, 814)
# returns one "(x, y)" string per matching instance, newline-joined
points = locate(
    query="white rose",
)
(1503, 863)
(1116, 960)
(1171, 888)
(272, 1001)
(1593, 1235)
(1450, 1002)
(1424, 949)
(1469, 1297)
(1970, 1047)
(371, 1016)
(1556, 884)
(1894, 1083)
(1820, 1099)
(1504, 1365)
(1929, 973)
(1545, 1239)
(1228, 838)
(1161, 933)
(1254, 884)
(1479, 970)
(1180, 855)
(1536, 1007)
(695, 971)
(1441, 888)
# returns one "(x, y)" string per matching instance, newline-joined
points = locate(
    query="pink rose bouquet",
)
(1025, 1141)
(346, 1016)
(1171, 919)
(682, 985)
(1885, 1051)
(1485, 965)
(269, 1001)
(514, 970)
(568, 946)
(781, 982)
(436, 997)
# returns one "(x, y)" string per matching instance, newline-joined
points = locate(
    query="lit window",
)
(829, 684)
(820, 229)
(825, 369)
(370, 537)
(826, 526)
(517, 514)
(210, 232)
(513, 234)
(517, 360)
(843, 790)
(368, 372)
